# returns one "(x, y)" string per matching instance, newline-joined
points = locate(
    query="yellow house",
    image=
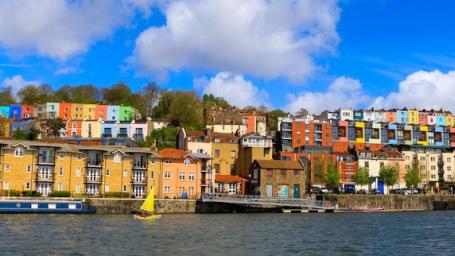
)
(224, 153)
(91, 129)
(79, 170)
(450, 121)
(77, 112)
(88, 111)
(359, 132)
(252, 147)
(413, 116)
(423, 140)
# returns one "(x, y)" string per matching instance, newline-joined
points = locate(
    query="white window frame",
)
(191, 176)
(167, 174)
(181, 176)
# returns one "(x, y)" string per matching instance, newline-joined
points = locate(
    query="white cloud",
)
(65, 71)
(343, 92)
(61, 28)
(234, 88)
(263, 38)
(422, 89)
(16, 83)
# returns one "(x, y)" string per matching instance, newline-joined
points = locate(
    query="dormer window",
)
(18, 152)
(186, 162)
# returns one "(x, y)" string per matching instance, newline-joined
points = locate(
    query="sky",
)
(313, 54)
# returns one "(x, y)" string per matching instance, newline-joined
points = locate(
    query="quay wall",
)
(116, 205)
(390, 202)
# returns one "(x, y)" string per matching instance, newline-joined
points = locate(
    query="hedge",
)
(60, 194)
(117, 194)
(31, 193)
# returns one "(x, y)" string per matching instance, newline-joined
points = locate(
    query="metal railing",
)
(306, 203)
(93, 179)
(43, 177)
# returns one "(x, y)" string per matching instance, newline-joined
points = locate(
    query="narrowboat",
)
(44, 206)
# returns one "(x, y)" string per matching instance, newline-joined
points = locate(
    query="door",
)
(380, 187)
(269, 190)
(296, 190)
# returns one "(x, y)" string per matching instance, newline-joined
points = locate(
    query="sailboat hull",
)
(147, 217)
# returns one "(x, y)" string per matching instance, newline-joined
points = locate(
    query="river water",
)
(230, 234)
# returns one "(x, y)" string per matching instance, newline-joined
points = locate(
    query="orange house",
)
(26, 111)
(181, 174)
(65, 110)
(101, 112)
(74, 128)
(391, 116)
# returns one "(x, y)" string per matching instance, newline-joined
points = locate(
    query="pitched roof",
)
(173, 153)
(229, 179)
(280, 164)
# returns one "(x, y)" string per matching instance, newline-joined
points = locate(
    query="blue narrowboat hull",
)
(42, 206)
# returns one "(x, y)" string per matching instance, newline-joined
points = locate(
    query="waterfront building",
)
(224, 153)
(90, 129)
(77, 111)
(346, 114)
(52, 110)
(125, 113)
(255, 122)
(181, 174)
(101, 112)
(74, 128)
(252, 147)
(113, 112)
(230, 184)
(391, 116)
(26, 111)
(278, 178)
(413, 116)
(15, 112)
(65, 110)
(88, 111)
(402, 116)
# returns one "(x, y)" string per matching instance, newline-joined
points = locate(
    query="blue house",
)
(15, 111)
(440, 119)
(113, 112)
(358, 115)
(392, 133)
(108, 129)
(402, 116)
(4, 111)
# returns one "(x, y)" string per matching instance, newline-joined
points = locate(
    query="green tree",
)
(35, 94)
(412, 176)
(186, 109)
(272, 118)
(389, 175)
(318, 170)
(118, 94)
(332, 176)
(209, 100)
(53, 127)
(164, 138)
(6, 97)
(164, 104)
(302, 112)
(362, 177)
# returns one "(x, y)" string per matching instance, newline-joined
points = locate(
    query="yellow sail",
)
(149, 203)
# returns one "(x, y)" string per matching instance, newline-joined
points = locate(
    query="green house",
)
(126, 113)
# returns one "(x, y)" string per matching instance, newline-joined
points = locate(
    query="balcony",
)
(45, 178)
(46, 160)
(93, 179)
(139, 180)
(138, 137)
(106, 135)
(122, 135)
(94, 162)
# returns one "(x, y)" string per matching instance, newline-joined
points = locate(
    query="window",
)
(78, 172)
(168, 161)
(433, 167)
(6, 168)
(167, 189)
(283, 172)
(79, 156)
(60, 187)
(191, 176)
(449, 168)
(217, 140)
(233, 153)
(125, 173)
(217, 152)
(181, 190)
(181, 176)
(108, 172)
(296, 173)
(422, 158)
(167, 174)
(117, 158)
(60, 172)
(449, 176)
(125, 188)
(381, 165)
(433, 176)
(367, 164)
(191, 190)
(106, 188)
(5, 185)
(61, 156)
(217, 168)
(152, 160)
(29, 168)
(432, 159)
(268, 172)
(152, 175)
(186, 162)
(18, 152)
(78, 188)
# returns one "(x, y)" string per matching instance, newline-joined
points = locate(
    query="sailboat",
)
(147, 208)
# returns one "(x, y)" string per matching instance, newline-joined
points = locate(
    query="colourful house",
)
(52, 110)
(4, 111)
(91, 129)
(423, 117)
(88, 111)
(125, 113)
(113, 112)
(431, 119)
(392, 133)
(391, 116)
(108, 129)
(452, 137)
(65, 110)
(40, 111)
(408, 135)
(101, 112)
(15, 112)
(423, 136)
(449, 119)
(413, 116)
(359, 132)
(440, 119)
(358, 115)
(402, 116)
(373, 133)
(77, 111)
(27, 111)
(74, 128)
(140, 130)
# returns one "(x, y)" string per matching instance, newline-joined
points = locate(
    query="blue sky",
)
(360, 53)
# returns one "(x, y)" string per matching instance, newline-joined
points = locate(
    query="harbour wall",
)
(393, 202)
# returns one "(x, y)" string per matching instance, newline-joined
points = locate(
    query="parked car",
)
(319, 190)
(375, 192)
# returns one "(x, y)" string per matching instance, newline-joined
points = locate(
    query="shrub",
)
(117, 194)
(78, 195)
(60, 194)
(14, 193)
(29, 193)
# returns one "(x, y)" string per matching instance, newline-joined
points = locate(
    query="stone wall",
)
(389, 202)
(116, 205)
